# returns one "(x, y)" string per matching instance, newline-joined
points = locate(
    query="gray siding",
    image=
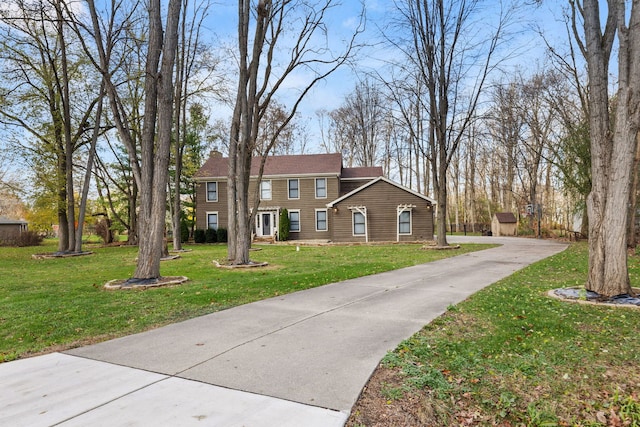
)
(306, 204)
(202, 206)
(381, 201)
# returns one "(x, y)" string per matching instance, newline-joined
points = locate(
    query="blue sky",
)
(221, 25)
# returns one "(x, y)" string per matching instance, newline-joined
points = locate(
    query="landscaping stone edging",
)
(581, 296)
(118, 284)
(231, 267)
(55, 255)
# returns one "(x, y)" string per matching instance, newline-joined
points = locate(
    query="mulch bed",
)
(126, 284)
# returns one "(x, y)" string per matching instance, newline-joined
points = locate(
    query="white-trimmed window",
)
(294, 221)
(212, 220)
(212, 191)
(321, 220)
(404, 222)
(265, 190)
(321, 188)
(359, 225)
(294, 188)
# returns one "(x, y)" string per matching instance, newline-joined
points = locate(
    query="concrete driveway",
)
(297, 359)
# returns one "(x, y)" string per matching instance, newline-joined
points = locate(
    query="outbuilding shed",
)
(504, 224)
(10, 228)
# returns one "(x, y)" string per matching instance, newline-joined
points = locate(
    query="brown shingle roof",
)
(506, 218)
(217, 166)
(362, 172)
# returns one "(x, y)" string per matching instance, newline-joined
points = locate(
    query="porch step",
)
(264, 239)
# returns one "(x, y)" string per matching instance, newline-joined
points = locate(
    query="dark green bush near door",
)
(210, 236)
(283, 227)
(199, 236)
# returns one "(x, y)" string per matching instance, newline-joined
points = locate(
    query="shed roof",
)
(217, 166)
(5, 220)
(505, 218)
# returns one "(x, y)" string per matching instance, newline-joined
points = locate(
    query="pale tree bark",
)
(150, 167)
(156, 137)
(612, 148)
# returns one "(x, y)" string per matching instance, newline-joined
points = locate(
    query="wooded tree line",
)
(519, 149)
(119, 92)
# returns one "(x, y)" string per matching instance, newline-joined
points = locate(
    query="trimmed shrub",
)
(199, 236)
(222, 235)
(210, 236)
(184, 231)
(283, 227)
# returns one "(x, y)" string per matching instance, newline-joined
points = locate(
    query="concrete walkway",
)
(299, 359)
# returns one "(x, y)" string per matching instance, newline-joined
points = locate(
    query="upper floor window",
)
(265, 190)
(212, 191)
(294, 220)
(294, 189)
(404, 222)
(321, 188)
(321, 220)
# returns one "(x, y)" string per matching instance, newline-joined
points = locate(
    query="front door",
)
(265, 224)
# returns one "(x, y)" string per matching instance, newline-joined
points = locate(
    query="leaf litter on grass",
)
(512, 356)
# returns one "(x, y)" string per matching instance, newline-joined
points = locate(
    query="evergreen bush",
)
(211, 235)
(283, 227)
(184, 231)
(199, 236)
(222, 235)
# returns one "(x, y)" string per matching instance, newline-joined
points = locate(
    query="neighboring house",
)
(504, 224)
(11, 227)
(325, 201)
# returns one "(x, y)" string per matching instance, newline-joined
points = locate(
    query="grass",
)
(511, 356)
(60, 303)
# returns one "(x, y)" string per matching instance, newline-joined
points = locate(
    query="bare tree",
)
(406, 92)
(572, 154)
(453, 58)
(258, 84)
(506, 126)
(274, 118)
(150, 167)
(359, 123)
(613, 145)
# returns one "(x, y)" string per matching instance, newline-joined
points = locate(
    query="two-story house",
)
(325, 201)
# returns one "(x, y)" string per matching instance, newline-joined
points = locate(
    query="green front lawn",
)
(55, 304)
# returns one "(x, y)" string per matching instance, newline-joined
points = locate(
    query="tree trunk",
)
(155, 155)
(611, 154)
(632, 240)
(87, 176)
(440, 186)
